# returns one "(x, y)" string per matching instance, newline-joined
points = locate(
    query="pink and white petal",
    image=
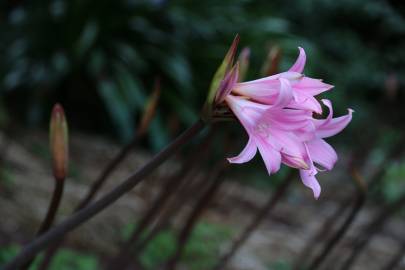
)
(247, 153)
(292, 76)
(259, 88)
(306, 102)
(271, 157)
(328, 104)
(300, 62)
(285, 94)
(289, 144)
(311, 86)
(290, 124)
(227, 84)
(247, 112)
(309, 180)
(322, 153)
(294, 162)
(327, 128)
(269, 80)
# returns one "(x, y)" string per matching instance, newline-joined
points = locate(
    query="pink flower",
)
(287, 136)
(266, 90)
(277, 113)
(318, 150)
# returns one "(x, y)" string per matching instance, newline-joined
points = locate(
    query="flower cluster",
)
(277, 113)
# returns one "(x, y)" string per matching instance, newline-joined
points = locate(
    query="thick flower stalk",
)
(277, 113)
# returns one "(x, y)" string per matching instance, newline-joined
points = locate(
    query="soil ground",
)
(27, 186)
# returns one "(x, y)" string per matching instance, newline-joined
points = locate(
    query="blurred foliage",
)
(201, 251)
(280, 265)
(394, 184)
(64, 260)
(100, 58)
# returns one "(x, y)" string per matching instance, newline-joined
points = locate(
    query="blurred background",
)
(100, 60)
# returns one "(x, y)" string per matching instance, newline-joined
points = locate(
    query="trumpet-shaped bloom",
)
(287, 135)
(277, 113)
(266, 90)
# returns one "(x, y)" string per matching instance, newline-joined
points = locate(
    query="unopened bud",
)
(59, 146)
(271, 65)
(244, 59)
(219, 76)
(150, 108)
(227, 84)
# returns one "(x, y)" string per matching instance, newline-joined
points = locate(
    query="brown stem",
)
(51, 213)
(358, 205)
(329, 246)
(171, 186)
(98, 184)
(396, 259)
(324, 230)
(92, 192)
(183, 196)
(373, 228)
(91, 210)
(185, 232)
(185, 193)
(256, 221)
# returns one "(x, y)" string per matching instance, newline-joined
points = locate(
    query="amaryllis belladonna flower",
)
(277, 113)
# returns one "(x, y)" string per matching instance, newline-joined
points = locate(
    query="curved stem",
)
(88, 212)
(96, 186)
(337, 236)
(92, 192)
(256, 221)
(51, 213)
(171, 186)
(185, 233)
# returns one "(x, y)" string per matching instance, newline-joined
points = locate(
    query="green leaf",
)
(117, 108)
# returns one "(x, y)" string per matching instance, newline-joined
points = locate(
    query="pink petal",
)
(288, 119)
(271, 157)
(247, 112)
(247, 153)
(300, 62)
(288, 143)
(306, 102)
(331, 126)
(322, 153)
(311, 86)
(309, 180)
(285, 94)
(264, 89)
(227, 84)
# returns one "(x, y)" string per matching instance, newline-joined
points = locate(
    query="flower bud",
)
(244, 59)
(272, 62)
(219, 76)
(226, 85)
(150, 108)
(58, 131)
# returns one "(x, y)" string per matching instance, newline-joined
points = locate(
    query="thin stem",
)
(171, 186)
(329, 246)
(180, 200)
(97, 185)
(92, 192)
(256, 221)
(357, 207)
(397, 258)
(324, 230)
(373, 228)
(88, 212)
(185, 233)
(186, 193)
(51, 213)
